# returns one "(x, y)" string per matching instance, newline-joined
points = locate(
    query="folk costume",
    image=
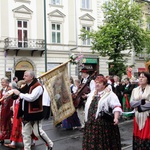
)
(46, 104)
(72, 121)
(100, 133)
(117, 89)
(31, 111)
(16, 134)
(5, 115)
(80, 109)
(89, 85)
(126, 98)
(140, 99)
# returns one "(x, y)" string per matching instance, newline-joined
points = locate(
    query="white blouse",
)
(106, 100)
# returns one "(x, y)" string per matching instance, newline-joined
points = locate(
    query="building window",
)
(87, 41)
(23, 1)
(86, 4)
(22, 27)
(56, 33)
(55, 2)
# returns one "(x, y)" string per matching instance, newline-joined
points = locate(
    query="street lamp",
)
(45, 36)
(76, 34)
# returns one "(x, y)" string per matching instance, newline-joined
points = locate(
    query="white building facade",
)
(23, 35)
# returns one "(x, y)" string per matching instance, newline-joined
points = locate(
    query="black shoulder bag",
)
(107, 115)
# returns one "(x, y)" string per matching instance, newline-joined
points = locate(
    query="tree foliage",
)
(120, 33)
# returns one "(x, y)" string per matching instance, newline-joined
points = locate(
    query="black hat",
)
(84, 70)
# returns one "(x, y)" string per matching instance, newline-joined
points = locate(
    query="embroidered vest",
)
(33, 111)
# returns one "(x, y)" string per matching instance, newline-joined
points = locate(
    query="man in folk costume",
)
(89, 87)
(6, 113)
(31, 111)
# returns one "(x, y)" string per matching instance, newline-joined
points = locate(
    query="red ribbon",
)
(127, 101)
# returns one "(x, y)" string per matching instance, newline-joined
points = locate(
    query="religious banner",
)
(57, 83)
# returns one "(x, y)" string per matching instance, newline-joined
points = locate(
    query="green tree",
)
(120, 33)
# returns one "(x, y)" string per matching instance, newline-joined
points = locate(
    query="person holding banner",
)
(140, 101)
(31, 110)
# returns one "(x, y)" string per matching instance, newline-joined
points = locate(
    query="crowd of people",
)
(105, 102)
(122, 88)
(99, 101)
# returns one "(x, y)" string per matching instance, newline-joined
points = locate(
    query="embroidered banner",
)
(57, 83)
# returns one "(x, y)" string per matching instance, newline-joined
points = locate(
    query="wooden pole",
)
(54, 69)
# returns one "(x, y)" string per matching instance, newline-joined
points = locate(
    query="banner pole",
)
(53, 69)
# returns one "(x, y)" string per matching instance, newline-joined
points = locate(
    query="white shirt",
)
(4, 90)
(116, 83)
(91, 85)
(74, 88)
(45, 98)
(108, 100)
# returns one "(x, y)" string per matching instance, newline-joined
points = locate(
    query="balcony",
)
(32, 45)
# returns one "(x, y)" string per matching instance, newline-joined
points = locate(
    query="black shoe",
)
(49, 148)
(69, 129)
(81, 129)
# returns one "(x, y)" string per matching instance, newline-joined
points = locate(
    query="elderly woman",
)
(101, 129)
(5, 113)
(140, 100)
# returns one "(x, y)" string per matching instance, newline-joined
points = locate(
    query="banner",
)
(57, 83)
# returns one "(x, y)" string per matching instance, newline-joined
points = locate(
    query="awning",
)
(141, 69)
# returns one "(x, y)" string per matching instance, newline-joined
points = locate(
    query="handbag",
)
(106, 115)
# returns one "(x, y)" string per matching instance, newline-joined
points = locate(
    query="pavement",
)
(72, 139)
(126, 133)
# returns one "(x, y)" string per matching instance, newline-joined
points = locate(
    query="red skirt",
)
(16, 134)
(5, 119)
(141, 138)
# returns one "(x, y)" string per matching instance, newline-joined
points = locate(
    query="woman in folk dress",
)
(140, 101)
(99, 132)
(5, 113)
